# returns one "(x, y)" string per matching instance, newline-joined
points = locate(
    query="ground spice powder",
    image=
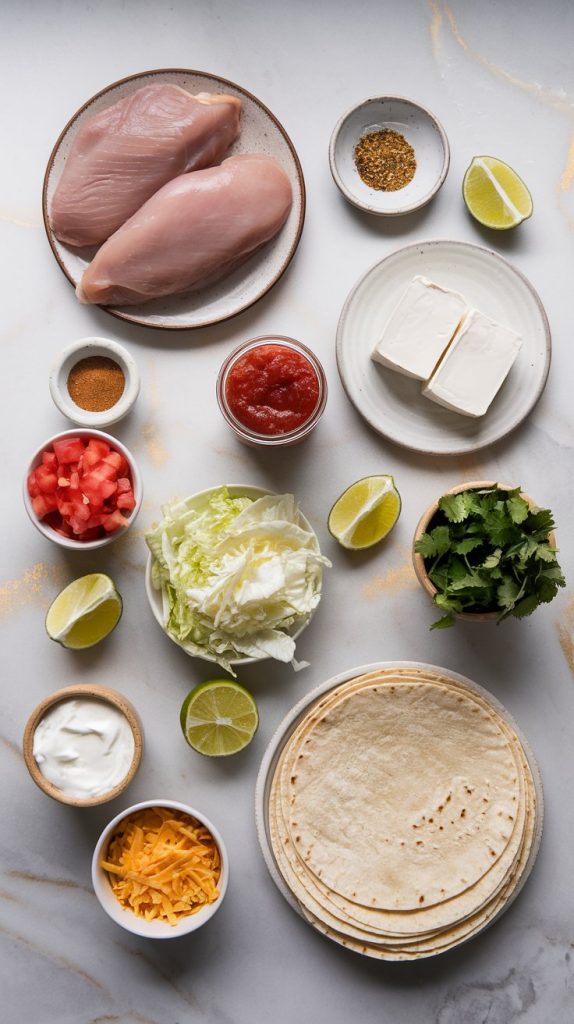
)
(96, 383)
(385, 160)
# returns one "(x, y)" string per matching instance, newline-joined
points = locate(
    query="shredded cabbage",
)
(237, 576)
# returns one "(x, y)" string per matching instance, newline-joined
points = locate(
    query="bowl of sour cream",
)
(83, 745)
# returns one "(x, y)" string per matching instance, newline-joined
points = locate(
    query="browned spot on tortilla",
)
(35, 586)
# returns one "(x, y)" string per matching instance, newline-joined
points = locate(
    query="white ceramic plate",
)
(155, 598)
(290, 723)
(392, 403)
(261, 132)
(418, 126)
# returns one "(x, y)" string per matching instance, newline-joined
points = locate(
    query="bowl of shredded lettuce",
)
(234, 574)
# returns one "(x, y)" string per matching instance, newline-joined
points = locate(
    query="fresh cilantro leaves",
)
(488, 551)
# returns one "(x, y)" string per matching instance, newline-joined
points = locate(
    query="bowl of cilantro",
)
(485, 551)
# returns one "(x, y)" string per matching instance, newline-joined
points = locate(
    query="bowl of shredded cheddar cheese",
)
(160, 869)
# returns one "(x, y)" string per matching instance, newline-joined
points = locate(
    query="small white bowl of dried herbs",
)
(485, 551)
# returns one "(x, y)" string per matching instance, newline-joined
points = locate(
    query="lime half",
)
(365, 513)
(84, 612)
(219, 718)
(495, 195)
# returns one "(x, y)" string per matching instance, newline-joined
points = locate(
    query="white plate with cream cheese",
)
(392, 403)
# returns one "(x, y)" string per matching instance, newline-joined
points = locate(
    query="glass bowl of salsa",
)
(272, 391)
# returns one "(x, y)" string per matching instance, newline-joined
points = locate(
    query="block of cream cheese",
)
(420, 328)
(475, 366)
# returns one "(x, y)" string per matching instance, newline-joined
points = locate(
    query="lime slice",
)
(219, 718)
(365, 513)
(84, 612)
(495, 195)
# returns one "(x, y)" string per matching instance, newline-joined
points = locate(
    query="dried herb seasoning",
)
(385, 160)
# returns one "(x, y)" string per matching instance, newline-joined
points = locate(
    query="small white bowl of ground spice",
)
(388, 155)
(94, 382)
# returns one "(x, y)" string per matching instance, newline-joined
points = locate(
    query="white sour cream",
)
(84, 747)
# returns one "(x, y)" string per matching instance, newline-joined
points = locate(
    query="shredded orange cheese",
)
(163, 864)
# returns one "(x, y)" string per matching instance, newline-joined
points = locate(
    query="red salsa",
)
(272, 389)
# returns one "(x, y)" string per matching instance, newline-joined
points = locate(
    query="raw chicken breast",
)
(196, 229)
(123, 154)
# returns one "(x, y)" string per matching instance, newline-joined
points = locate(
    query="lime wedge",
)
(495, 195)
(219, 718)
(84, 612)
(365, 513)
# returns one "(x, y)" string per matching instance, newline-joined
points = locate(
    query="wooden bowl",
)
(101, 693)
(419, 562)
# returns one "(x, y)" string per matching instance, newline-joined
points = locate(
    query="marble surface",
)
(500, 77)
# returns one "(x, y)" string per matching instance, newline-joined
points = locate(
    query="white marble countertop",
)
(501, 79)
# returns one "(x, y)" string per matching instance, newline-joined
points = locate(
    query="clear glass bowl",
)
(252, 437)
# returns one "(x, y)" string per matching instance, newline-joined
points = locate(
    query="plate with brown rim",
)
(261, 132)
(394, 404)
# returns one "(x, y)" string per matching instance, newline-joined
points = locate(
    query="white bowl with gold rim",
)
(419, 128)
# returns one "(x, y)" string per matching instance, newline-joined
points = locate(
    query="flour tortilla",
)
(428, 943)
(428, 918)
(404, 797)
(448, 939)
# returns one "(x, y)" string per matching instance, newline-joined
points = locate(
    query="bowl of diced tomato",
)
(82, 489)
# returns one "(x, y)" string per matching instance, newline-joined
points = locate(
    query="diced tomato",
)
(68, 449)
(96, 450)
(80, 509)
(117, 460)
(65, 508)
(126, 501)
(42, 504)
(82, 489)
(95, 521)
(114, 521)
(33, 489)
(97, 491)
(46, 479)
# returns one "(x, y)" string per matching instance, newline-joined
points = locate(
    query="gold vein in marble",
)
(8, 896)
(61, 883)
(558, 100)
(113, 1018)
(565, 185)
(54, 958)
(31, 588)
(568, 172)
(565, 630)
(10, 745)
(18, 220)
(435, 27)
(186, 997)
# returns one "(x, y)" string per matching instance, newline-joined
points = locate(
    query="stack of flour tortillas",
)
(403, 813)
